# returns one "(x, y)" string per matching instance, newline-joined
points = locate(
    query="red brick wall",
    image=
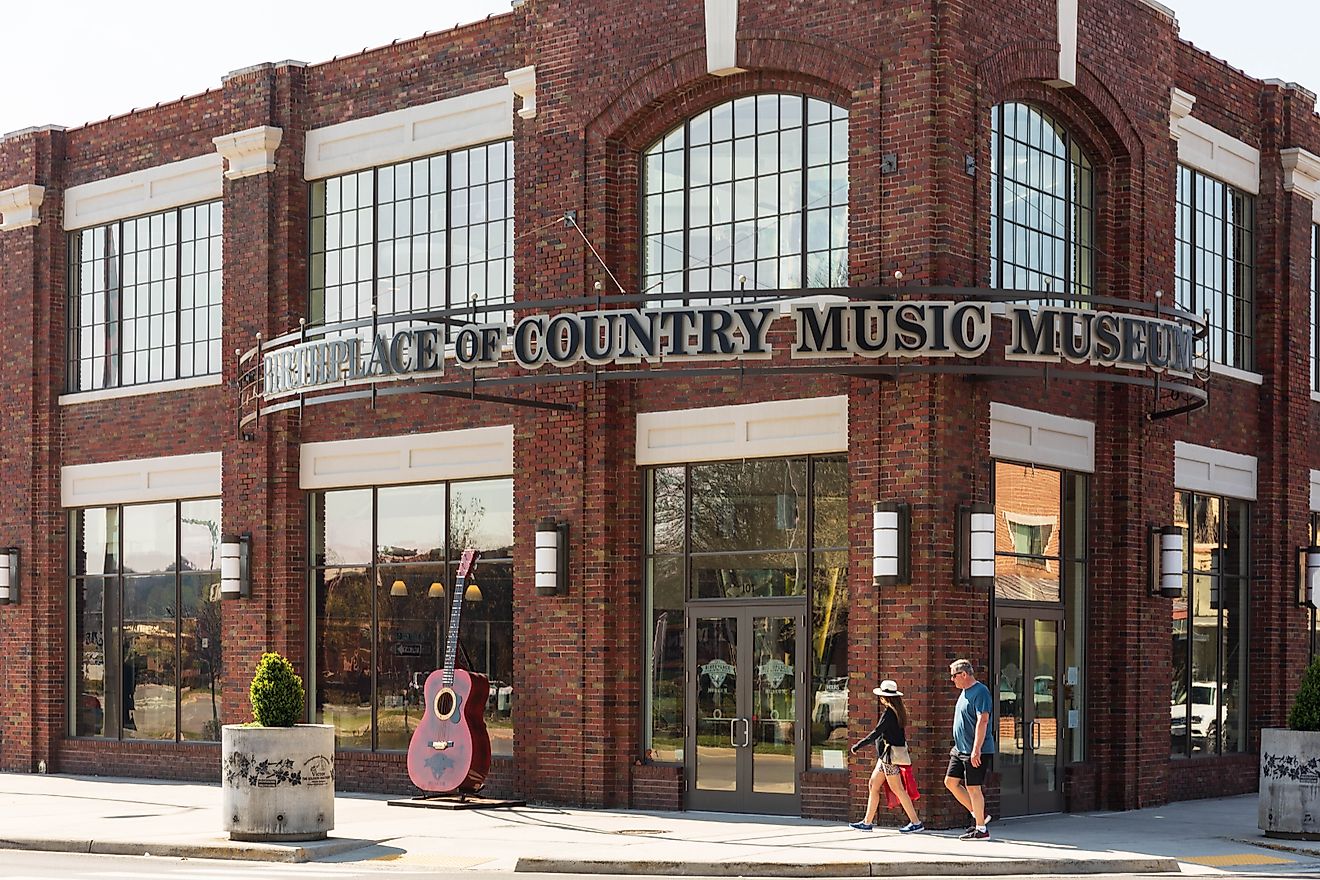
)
(919, 82)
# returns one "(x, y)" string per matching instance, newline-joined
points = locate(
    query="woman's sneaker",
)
(911, 827)
(861, 826)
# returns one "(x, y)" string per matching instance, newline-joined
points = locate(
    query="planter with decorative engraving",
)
(278, 782)
(1290, 783)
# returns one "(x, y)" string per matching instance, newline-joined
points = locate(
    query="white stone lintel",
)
(523, 83)
(20, 206)
(249, 152)
(186, 182)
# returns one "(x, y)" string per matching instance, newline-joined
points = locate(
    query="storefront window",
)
(1042, 222)
(764, 528)
(1208, 703)
(145, 299)
(1315, 614)
(418, 236)
(1214, 267)
(385, 567)
(1040, 557)
(151, 573)
(751, 194)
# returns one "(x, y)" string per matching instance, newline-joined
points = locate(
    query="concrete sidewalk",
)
(137, 817)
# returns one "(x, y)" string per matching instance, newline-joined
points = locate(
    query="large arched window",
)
(1042, 219)
(757, 188)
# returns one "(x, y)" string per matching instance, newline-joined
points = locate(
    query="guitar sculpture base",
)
(455, 801)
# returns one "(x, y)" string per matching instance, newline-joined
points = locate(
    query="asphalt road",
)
(15, 865)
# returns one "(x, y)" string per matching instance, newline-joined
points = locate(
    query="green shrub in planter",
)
(277, 694)
(1305, 714)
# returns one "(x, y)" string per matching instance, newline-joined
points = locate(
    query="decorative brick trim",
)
(249, 152)
(20, 206)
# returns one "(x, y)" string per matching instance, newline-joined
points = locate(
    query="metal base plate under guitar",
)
(457, 802)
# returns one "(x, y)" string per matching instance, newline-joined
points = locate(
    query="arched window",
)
(1042, 219)
(757, 188)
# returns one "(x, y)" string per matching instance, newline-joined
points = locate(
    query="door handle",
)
(733, 726)
(747, 732)
(1035, 735)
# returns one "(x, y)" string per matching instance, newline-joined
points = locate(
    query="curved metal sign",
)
(829, 334)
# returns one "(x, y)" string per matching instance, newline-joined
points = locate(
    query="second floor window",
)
(144, 299)
(1215, 263)
(1042, 220)
(1315, 308)
(755, 188)
(418, 236)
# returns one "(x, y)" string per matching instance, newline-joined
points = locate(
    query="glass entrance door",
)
(745, 737)
(1029, 711)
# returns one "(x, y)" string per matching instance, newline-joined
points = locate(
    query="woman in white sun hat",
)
(891, 744)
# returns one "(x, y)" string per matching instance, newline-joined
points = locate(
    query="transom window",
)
(1214, 270)
(145, 298)
(1042, 220)
(755, 189)
(417, 236)
(1208, 703)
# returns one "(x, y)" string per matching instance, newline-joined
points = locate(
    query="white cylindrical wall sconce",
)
(551, 557)
(1308, 577)
(891, 556)
(235, 574)
(1166, 562)
(9, 576)
(976, 544)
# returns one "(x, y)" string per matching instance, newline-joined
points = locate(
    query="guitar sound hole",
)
(444, 704)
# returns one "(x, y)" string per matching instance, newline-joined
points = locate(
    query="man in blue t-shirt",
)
(973, 747)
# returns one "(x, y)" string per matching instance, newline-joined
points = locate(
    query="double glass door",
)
(1030, 723)
(746, 736)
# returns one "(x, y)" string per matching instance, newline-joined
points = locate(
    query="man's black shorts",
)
(960, 767)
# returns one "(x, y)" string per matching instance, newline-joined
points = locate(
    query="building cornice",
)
(20, 206)
(249, 152)
(1180, 107)
(523, 83)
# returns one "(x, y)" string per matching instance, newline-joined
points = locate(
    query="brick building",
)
(1040, 162)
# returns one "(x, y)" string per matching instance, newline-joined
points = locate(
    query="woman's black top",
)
(887, 732)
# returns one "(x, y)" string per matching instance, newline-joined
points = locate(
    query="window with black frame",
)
(747, 529)
(149, 573)
(385, 562)
(413, 237)
(749, 195)
(1315, 613)
(144, 301)
(1041, 557)
(1208, 695)
(1214, 267)
(1042, 216)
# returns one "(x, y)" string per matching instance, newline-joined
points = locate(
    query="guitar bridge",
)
(441, 745)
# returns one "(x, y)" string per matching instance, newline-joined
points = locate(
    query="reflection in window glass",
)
(387, 617)
(756, 189)
(1040, 556)
(161, 678)
(1214, 270)
(1208, 705)
(1042, 219)
(145, 298)
(747, 536)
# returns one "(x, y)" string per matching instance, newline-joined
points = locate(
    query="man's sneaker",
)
(861, 826)
(976, 834)
(972, 827)
(911, 827)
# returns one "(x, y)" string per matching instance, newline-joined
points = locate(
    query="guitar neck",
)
(451, 643)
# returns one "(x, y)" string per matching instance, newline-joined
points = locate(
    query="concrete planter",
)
(1290, 784)
(279, 782)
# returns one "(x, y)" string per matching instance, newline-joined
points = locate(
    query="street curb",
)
(220, 849)
(1277, 844)
(947, 868)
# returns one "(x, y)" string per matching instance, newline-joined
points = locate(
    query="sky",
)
(83, 60)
